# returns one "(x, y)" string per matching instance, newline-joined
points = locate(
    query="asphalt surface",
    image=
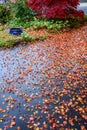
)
(43, 86)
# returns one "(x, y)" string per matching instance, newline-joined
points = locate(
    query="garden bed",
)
(8, 40)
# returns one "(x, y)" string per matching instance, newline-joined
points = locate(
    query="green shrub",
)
(51, 24)
(36, 23)
(75, 22)
(86, 18)
(4, 13)
(20, 10)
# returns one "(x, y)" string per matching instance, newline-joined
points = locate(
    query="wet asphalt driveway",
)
(43, 86)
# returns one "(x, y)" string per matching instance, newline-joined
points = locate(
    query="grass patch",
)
(1, 28)
(27, 38)
(7, 40)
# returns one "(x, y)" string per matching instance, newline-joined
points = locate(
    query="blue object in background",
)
(15, 31)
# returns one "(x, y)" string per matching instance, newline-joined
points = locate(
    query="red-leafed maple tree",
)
(56, 8)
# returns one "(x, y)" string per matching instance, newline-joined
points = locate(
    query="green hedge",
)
(4, 13)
